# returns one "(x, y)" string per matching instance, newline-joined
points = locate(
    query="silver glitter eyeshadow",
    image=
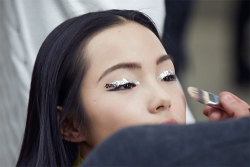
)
(119, 83)
(165, 73)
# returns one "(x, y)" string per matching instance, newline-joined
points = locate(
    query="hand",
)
(233, 106)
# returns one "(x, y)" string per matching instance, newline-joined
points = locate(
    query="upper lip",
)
(169, 121)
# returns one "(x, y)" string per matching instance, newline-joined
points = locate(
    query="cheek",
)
(178, 102)
(101, 110)
(116, 110)
(107, 114)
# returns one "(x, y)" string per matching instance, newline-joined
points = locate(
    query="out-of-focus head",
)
(74, 97)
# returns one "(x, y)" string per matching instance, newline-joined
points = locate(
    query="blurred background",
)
(216, 43)
(209, 40)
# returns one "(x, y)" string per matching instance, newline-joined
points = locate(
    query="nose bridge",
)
(159, 99)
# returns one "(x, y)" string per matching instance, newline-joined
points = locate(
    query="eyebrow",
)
(120, 66)
(162, 59)
(131, 65)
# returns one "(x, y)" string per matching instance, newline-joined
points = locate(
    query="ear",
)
(71, 131)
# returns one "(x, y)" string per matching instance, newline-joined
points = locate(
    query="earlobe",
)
(71, 131)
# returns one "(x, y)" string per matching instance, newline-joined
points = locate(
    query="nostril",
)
(159, 107)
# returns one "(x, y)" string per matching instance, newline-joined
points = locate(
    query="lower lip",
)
(169, 121)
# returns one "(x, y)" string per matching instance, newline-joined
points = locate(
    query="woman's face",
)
(133, 52)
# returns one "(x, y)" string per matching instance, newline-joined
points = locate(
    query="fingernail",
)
(229, 98)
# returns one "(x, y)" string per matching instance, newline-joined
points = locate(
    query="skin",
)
(151, 102)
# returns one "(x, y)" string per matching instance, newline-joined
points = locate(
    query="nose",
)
(159, 99)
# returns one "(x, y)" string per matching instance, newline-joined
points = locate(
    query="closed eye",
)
(124, 84)
(124, 87)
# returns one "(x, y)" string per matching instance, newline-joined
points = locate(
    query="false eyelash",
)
(120, 83)
(165, 74)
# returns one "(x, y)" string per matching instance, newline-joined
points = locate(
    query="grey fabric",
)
(223, 143)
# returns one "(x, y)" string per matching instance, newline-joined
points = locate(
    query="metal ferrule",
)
(214, 101)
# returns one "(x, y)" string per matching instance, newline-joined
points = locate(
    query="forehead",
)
(126, 42)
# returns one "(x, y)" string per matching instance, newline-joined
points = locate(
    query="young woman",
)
(95, 74)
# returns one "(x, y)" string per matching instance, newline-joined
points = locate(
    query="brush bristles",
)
(198, 95)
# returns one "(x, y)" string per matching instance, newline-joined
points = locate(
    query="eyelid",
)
(124, 81)
(165, 74)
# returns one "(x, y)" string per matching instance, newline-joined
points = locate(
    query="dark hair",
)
(57, 75)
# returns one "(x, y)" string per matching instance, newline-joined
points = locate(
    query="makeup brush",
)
(204, 97)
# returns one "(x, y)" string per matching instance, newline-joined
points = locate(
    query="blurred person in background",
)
(177, 15)
(242, 54)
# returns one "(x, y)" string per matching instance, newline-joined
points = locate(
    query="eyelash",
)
(169, 78)
(166, 76)
(124, 87)
(124, 84)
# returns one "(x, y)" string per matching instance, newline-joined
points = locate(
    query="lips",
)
(169, 121)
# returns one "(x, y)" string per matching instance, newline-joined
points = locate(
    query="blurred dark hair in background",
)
(242, 55)
(177, 15)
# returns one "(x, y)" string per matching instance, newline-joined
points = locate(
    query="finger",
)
(214, 114)
(235, 97)
(224, 115)
(206, 110)
(233, 106)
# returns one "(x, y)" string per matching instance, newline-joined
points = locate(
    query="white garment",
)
(24, 24)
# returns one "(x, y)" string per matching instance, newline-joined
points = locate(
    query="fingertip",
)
(206, 110)
(205, 113)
